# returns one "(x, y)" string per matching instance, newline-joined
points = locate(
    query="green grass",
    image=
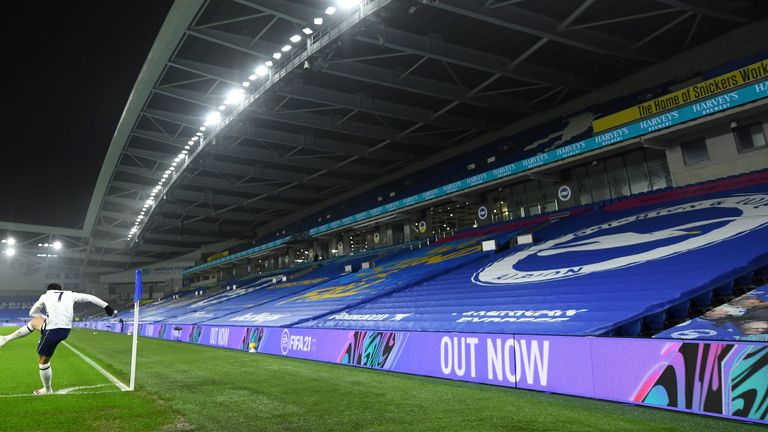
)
(189, 387)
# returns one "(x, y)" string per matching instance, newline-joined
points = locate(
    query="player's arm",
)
(37, 308)
(87, 298)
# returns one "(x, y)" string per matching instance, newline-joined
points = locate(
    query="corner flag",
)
(137, 295)
(136, 329)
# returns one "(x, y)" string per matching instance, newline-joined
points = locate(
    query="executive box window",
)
(695, 151)
(750, 137)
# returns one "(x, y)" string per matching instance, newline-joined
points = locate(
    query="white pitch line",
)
(71, 389)
(101, 370)
(59, 394)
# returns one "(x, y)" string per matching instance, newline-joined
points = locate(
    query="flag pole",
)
(136, 301)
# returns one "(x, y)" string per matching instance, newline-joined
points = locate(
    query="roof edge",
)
(172, 31)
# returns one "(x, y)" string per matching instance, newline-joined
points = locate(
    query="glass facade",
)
(630, 173)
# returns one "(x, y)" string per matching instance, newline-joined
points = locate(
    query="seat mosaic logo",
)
(630, 241)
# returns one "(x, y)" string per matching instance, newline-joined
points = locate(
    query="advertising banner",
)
(685, 96)
(726, 379)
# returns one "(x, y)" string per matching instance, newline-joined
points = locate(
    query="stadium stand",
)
(609, 271)
(386, 274)
(268, 289)
(619, 267)
(15, 308)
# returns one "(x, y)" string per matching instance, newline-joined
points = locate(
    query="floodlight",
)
(346, 4)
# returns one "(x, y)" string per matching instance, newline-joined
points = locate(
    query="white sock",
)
(45, 376)
(20, 333)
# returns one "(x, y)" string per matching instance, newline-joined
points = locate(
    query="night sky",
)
(69, 68)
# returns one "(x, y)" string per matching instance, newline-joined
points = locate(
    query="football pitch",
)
(195, 388)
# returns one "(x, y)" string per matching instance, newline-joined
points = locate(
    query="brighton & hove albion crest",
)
(630, 241)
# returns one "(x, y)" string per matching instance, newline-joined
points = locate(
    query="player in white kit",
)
(54, 327)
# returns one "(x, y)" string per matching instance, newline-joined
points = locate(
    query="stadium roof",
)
(379, 89)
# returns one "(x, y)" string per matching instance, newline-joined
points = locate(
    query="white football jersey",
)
(59, 306)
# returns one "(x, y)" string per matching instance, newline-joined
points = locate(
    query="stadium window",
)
(658, 170)
(637, 172)
(579, 176)
(695, 151)
(749, 137)
(617, 177)
(598, 183)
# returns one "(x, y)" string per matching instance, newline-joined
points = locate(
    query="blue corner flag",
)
(137, 295)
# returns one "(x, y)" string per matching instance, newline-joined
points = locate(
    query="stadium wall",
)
(724, 156)
(723, 379)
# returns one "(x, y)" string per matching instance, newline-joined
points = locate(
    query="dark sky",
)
(69, 68)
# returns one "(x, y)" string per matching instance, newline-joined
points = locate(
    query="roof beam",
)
(289, 11)
(348, 127)
(181, 238)
(423, 86)
(543, 26)
(218, 228)
(244, 44)
(209, 197)
(310, 141)
(101, 243)
(221, 184)
(692, 6)
(173, 208)
(267, 173)
(433, 47)
(298, 118)
(208, 71)
(367, 103)
(260, 155)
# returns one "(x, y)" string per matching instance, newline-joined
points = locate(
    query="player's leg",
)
(46, 375)
(49, 340)
(35, 323)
